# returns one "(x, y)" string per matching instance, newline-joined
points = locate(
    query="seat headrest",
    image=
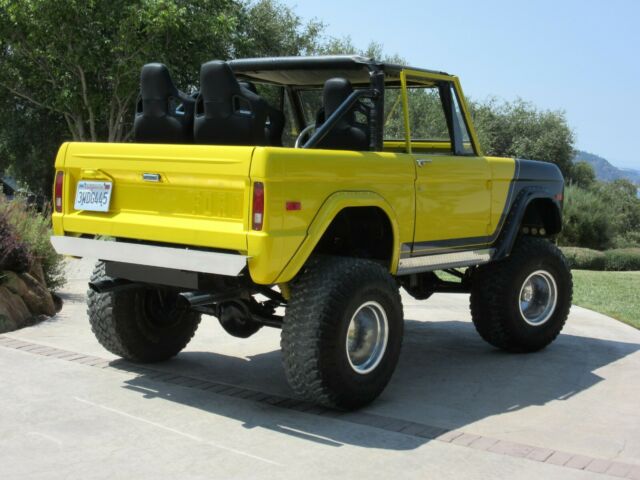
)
(156, 83)
(217, 80)
(336, 91)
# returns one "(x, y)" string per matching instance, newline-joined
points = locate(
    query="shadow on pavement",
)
(447, 377)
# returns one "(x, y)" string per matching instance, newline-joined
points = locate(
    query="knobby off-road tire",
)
(316, 336)
(508, 297)
(141, 325)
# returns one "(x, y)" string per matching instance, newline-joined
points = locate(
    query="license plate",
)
(94, 196)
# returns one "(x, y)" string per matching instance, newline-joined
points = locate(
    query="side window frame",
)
(448, 86)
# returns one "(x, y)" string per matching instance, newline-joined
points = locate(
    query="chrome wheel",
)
(367, 337)
(538, 298)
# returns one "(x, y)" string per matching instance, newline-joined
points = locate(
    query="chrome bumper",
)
(153, 256)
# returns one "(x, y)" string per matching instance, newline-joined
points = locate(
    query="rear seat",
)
(164, 114)
(226, 113)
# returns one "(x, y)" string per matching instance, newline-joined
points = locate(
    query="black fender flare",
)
(510, 230)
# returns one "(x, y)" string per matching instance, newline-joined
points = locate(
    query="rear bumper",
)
(153, 256)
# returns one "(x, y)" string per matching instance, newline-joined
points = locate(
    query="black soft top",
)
(314, 71)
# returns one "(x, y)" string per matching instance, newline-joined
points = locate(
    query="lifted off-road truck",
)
(317, 187)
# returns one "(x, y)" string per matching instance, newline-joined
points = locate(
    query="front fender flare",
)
(509, 233)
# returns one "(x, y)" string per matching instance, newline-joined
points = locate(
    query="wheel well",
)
(363, 232)
(542, 213)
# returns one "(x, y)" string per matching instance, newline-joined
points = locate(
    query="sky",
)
(582, 57)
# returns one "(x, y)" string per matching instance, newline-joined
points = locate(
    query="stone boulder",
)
(24, 299)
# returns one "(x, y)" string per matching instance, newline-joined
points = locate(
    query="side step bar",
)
(442, 261)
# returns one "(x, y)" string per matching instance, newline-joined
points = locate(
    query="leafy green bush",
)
(603, 216)
(587, 220)
(629, 239)
(622, 259)
(584, 258)
(27, 232)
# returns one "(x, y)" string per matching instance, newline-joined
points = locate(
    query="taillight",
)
(57, 192)
(258, 206)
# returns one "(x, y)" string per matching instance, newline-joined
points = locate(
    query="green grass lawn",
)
(616, 294)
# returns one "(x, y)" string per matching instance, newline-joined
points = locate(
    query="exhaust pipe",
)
(203, 299)
(113, 285)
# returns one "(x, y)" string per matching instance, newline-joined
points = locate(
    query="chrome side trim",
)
(153, 256)
(428, 263)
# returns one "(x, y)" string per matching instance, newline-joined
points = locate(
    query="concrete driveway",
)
(456, 408)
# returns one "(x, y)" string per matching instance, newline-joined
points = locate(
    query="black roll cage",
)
(369, 78)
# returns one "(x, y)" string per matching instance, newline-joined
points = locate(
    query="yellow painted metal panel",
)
(312, 177)
(453, 198)
(201, 199)
(405, 110)
(456, 196)
(502, 174)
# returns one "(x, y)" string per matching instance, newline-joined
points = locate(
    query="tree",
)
(583, 175)
(519, 129)
(76, 63)
(79, 60)
(29, 139)
(268, 28)
(623, 205)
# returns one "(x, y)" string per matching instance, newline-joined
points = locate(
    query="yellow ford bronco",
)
(302, 193)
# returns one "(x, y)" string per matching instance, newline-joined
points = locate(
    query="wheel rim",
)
(367, 337)
(538, 298)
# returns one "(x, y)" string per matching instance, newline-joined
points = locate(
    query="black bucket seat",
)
(226, 113)
(164, 114)
(347, 134)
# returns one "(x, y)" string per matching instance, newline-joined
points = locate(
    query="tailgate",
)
(185, 194)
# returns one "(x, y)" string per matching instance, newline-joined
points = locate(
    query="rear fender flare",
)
(320, 223)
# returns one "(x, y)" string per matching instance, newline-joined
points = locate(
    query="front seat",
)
(227, 114)
(164, 114)
(347, 134)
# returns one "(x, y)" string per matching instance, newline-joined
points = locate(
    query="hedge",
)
(621, 259)
(584, 258)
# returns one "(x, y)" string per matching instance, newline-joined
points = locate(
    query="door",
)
(453, 183)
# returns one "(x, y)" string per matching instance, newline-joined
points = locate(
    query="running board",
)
(428, 263)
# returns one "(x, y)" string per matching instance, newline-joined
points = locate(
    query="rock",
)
(37, 297)
(37, 272)
(14, 283)
(24, 299)
(13, 311)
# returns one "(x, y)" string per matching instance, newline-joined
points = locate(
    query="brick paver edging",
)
(429, 432)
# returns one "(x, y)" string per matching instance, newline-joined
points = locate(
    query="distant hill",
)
(604, 170)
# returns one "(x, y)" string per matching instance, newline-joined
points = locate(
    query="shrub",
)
(622, 259)
(27, 232)
(587, 220)
(584, 258)
(14, 254)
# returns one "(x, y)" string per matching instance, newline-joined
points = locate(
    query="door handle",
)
(423, 161)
